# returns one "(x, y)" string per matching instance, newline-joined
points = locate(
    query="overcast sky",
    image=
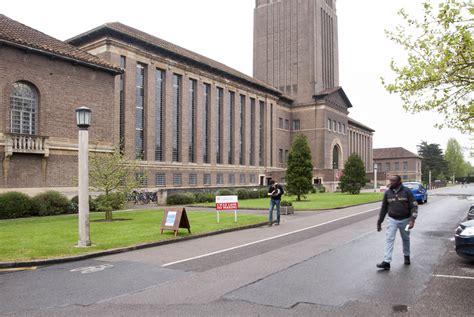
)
(223, 30)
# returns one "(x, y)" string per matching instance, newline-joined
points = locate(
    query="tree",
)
(432, 160)
(111, 173)
(455, 159)
(438, 74)
(299, 173)
(353, 176)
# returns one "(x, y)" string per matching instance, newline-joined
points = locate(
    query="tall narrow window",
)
(140, 112)
(207, 121)
(192, 121)
(271, 134)
(176, 118)
(230, 126)
(335, 157)
(122, 106)
(24, 108)
(296, 125)
(220, 106)
(252, 132)
(261, 149)
(242, 130)
(159, 92)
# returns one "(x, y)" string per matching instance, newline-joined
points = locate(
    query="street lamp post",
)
(83, 116)
(375, 178)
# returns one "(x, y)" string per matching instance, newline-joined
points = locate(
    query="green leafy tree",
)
(353, 176)
(455, 159)
(432, 160)
(299, 173)
(112, 174)
(438, 74)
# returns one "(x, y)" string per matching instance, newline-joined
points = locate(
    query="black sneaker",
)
(407, 260)
(277, 224)
(384, 265)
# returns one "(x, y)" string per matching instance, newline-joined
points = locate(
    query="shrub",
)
(321, 189)
(225, 192)
(314, 190)
(263, 192)
(286, 203)
(50, 203)
(110, 202)
(75, 204)
(254, 193)
(180, 199)
(243, 193)
(15, 205)
(200, 197)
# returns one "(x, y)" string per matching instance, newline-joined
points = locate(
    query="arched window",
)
(24, 108)
(335, 157)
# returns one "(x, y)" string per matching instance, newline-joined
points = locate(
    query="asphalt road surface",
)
(313, 264)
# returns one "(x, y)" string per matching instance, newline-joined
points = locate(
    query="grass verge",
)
(56, 236)
(313, 201)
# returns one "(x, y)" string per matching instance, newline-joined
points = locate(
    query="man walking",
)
(402, 209)
(275, 191)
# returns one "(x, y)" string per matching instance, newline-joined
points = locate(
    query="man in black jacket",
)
(402, 209)
(275, 191)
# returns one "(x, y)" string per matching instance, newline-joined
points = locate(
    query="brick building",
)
(42, 82)
(398, 161)
(192, 122)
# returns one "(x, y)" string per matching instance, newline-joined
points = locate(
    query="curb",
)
(19, 264)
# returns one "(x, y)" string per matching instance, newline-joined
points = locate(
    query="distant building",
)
(398, 161)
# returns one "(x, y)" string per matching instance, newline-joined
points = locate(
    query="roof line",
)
(59, 56)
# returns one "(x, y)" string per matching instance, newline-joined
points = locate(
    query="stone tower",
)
(295, 46)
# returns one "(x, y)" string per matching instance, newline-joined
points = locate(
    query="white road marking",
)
(455, 276)
(266, 239)
(91, 269)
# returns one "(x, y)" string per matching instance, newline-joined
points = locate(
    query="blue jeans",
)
(392, 226)
(273, 203)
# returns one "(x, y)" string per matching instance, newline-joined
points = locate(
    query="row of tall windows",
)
(177, 179)
(224, 125)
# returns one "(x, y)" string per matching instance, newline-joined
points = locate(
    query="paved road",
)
(314, 264)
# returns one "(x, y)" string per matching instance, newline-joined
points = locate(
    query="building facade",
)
(189, 121)
(43, 81)
(398, 161)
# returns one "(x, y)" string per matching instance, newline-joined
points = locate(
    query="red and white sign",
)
(227, 203)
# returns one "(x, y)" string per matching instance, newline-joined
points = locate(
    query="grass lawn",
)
(313, 201)
(56, 236)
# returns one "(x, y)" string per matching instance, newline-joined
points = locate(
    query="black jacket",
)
(399, 204)
(276, 191)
